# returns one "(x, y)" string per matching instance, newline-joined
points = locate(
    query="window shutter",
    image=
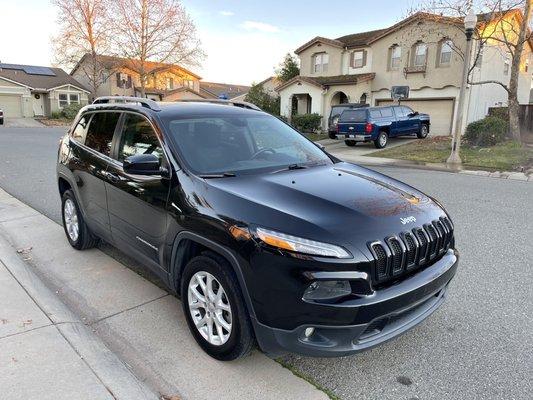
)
(364, 58)
(119, 84)
(128, 85)
(352, 59)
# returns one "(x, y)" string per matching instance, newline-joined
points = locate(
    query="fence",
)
(526, 120)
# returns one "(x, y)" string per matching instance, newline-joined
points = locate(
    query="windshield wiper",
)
(223, 175)
(296, 166)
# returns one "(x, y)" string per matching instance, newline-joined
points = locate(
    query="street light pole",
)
(470, 25)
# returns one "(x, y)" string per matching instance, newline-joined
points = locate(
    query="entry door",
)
(38, 105)
(137, 203)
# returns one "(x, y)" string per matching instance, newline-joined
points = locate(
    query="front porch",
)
(305, 95)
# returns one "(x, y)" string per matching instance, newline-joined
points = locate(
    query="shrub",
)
(56, 115)
(306, 122)
(500, 112)
(488, 131)
(70, 111)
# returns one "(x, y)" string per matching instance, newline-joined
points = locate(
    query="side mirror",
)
(413, 114)
(142, 164)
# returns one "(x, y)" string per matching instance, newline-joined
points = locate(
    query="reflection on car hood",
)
(338, 200)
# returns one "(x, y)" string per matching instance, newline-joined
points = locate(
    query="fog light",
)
(309, 331)
(327, 290)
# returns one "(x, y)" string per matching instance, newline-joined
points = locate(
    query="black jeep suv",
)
(266, 237)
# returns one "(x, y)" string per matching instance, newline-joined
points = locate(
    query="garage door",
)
(440, 112)
(11, 105)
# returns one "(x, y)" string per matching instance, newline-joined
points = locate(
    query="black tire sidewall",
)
(378, 143)
(240, 323)
(82, 231)
(350, 143)
(422, 135)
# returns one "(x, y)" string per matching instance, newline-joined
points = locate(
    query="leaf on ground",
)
(24, 250)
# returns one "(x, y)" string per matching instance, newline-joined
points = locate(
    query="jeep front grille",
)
(396, 256)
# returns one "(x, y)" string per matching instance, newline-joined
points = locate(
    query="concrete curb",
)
(108, 368)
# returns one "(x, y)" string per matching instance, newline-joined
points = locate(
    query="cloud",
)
(227, 13)
(260, 26)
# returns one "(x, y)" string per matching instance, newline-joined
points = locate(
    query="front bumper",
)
(382, 316)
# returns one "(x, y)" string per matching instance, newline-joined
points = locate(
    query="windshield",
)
(241, 144)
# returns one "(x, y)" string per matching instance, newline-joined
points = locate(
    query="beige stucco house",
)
(422, 52)
(33, 91)
(166, 82)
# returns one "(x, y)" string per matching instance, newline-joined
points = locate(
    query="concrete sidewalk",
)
(99, 330)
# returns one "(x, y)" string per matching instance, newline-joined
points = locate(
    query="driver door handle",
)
(112, 177)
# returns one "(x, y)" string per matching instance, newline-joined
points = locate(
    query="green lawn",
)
(316, 136)
(507, 156)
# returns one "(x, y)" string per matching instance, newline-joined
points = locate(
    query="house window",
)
(68, 98)
(358, 59)
(420, 55)
(74, 98)
(395, 57)
(63, 100)
(506, 65)
(445, 56)
(321, 62)
(170, 83)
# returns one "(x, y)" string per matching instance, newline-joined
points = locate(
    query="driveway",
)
(21, 123)
(360, 149)
(479, 345)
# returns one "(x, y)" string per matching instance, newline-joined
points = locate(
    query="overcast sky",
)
(244, 40)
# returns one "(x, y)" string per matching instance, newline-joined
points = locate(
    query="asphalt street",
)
(479, 345)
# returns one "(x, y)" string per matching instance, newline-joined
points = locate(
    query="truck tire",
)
(423, 132)
(382, 140)
(350, 143)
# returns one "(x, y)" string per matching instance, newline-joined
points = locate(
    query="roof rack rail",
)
(147, 103)
(242, 104)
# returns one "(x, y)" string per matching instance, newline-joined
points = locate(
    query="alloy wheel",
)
(209, 308)
(383, 140)
(71, 220)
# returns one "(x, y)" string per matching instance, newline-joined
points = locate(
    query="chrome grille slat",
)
(395, 256)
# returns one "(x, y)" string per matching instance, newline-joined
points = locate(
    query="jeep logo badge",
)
(408, 220)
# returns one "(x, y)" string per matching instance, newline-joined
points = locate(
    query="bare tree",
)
(83, 34)
(154, 30)
(505, 23)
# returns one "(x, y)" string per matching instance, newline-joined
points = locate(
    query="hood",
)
(338, 203)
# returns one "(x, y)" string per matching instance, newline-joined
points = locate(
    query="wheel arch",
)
(187, 245)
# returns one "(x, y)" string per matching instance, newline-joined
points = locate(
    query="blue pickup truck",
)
(378, 124)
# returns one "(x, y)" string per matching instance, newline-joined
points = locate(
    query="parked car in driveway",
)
(335, 113)
(378, 124)
(1, 117)
(266, 238)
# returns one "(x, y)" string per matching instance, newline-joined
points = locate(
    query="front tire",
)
(382, 140)
(350, 143)
(78, 234)
(423, 132)
(214, 308)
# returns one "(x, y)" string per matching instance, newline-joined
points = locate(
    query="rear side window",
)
(353, 116)
(138, 137)
(335, 111)
(386, 112)
(79, 133)
(100, 133)
(375, 114)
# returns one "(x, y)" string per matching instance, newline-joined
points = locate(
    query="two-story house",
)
(119, 77)
(422, 52)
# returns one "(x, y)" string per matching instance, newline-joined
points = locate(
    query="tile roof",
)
(37, 77)
(324, 81)
(360, 39)
(223, 89)
(112, 62)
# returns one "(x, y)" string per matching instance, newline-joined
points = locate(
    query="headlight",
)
(300, 245)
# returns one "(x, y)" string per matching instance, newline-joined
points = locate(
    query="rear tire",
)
(350, 143)
(214, 340)
(382, 140)
(78, 234)
(423, 132)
